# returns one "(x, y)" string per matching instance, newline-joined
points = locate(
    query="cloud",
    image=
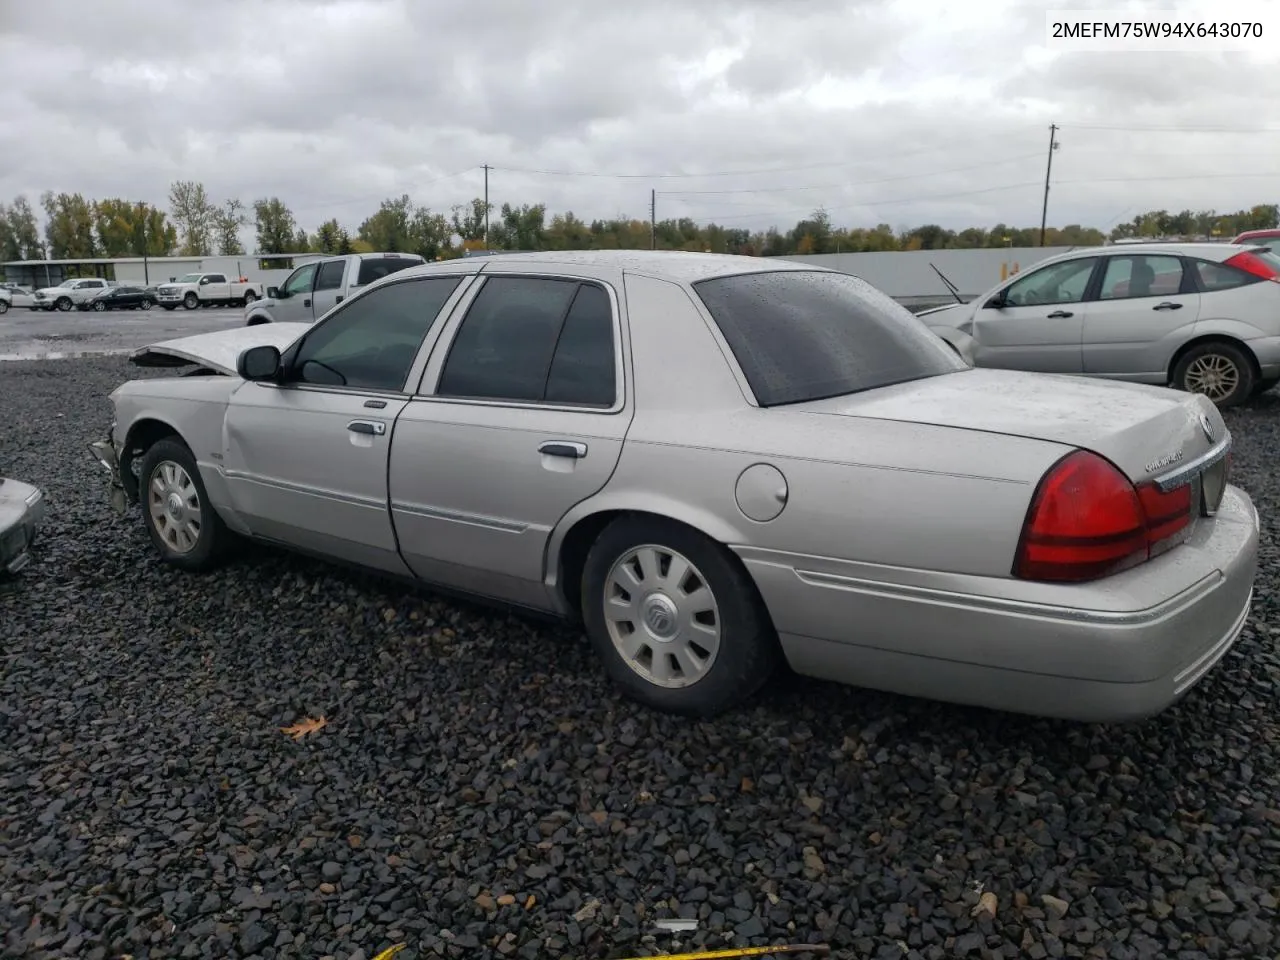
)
(750, 112)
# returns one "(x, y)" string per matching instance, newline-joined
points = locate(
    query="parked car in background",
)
(718, 464)
(318, 285)
(19, 296)
(1261, 238)
(22, 510)
(207, 290)
(119, 298)
(1203, 317)
(68, 293)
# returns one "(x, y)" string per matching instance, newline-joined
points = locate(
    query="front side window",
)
(216, 278)
(1141, 276)
(802, 335)
(370, 343)
(1058, 283)
(300, 280)
(534, 340)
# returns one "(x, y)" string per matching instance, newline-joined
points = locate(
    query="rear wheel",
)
(99, 306)
(183, 525)
(1221, 371)
(678, 625)
(145, 304)
(4, 306)
(249, 297)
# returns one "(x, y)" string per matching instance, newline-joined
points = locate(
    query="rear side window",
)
(536, 340)
(375, 268)
(330, 275)
(1218, 276)
(802, 335)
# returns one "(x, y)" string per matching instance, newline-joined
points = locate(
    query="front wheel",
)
(64, 303)
(190, 301)
(183, 525)
(145, 304)
(1221, 371)
(677, 623)
(4, 307)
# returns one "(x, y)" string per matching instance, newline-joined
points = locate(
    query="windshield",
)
(190, 278)
(70, 283)
(803, 335)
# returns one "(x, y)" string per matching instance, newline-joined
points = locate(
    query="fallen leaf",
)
(353, 841)
(390, 952)
(986, 906)
(528, 904)
(303, 727)
(748, 785)
(506, 900)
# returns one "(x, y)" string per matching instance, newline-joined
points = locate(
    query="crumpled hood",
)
(219, 350)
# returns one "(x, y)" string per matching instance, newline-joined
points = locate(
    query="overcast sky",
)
(747, 112)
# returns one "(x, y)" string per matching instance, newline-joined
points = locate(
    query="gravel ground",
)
(479, 791)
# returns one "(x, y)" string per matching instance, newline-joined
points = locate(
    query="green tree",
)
(19, 231)
(328, 237)
(276, 229)
(194, 216)
(69, 226)
(227, 222)
(390, 228)
(468, 220)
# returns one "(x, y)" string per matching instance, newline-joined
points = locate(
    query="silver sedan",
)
(720, 466)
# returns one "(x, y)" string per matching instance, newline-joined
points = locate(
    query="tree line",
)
(196, 224)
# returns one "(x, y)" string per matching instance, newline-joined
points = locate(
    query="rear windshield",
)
(804, 335)
(375, 268)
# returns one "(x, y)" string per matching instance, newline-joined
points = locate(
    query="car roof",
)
(675, 265)
(1205, 250)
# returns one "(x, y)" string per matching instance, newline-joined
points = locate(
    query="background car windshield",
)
(190, 277)
(806, 335)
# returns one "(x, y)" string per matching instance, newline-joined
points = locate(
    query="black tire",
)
(1262, 386)
(145, 304)
(213, 540)
(1231, 359)
(748, 646)
(4, 307)
(255, 321)
(190, 301)
(249, 297)
(63, 303)
(99, 306)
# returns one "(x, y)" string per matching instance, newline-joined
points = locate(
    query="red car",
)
(1262, 238)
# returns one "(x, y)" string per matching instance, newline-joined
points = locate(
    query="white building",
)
(268, 268)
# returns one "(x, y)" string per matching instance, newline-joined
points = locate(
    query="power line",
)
(853, 183)
(739, 173)
(1166, 128)
(1183, 176)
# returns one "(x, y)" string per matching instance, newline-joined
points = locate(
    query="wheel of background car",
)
(183, 525)
(677, 623)
(4, 306)
(64, 303)
(145, 304)
(1221, 371)
(190, 301)
(99, 305)
(249, 297)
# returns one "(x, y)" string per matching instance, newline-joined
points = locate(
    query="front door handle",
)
(1057, 314)
(306, 302)
(1167, 305)
(339, 299)
(375, 428)
(564, 448)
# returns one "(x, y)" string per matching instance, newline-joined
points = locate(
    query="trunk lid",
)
(219, 350)
(1145, 431)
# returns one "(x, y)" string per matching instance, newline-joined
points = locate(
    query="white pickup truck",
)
(207, 290)
(318, 286)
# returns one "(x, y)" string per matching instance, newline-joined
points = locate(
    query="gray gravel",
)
(479, 791)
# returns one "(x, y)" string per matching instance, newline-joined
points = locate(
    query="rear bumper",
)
(22, 512)
(1120, 650)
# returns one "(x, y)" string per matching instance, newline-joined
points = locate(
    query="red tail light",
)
(1253, 264)
(1088, 521)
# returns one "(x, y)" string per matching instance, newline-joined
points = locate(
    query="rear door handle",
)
(339, 299)
(564, 448)
(1167, 305)
(1057, 314)
(375, 428)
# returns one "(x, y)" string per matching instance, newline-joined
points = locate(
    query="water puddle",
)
(37, 354)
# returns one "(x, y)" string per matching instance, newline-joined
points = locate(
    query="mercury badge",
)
(1207, 426)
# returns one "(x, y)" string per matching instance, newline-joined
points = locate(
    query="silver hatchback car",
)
(1204, 317)
(719, 465)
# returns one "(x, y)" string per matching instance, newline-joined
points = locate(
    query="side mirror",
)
(259, 363)
(203, 281)
(273, 293)
(998, 302)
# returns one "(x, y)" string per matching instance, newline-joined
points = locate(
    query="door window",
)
(1141, 276)
(299, 281)
(370, 343)
(534, 339)
(1059, 283)
(329, 276)
(216, 278)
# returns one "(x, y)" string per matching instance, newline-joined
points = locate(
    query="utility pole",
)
(1044, 210)
(146, 273)
(653, 219)
(486, 206)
